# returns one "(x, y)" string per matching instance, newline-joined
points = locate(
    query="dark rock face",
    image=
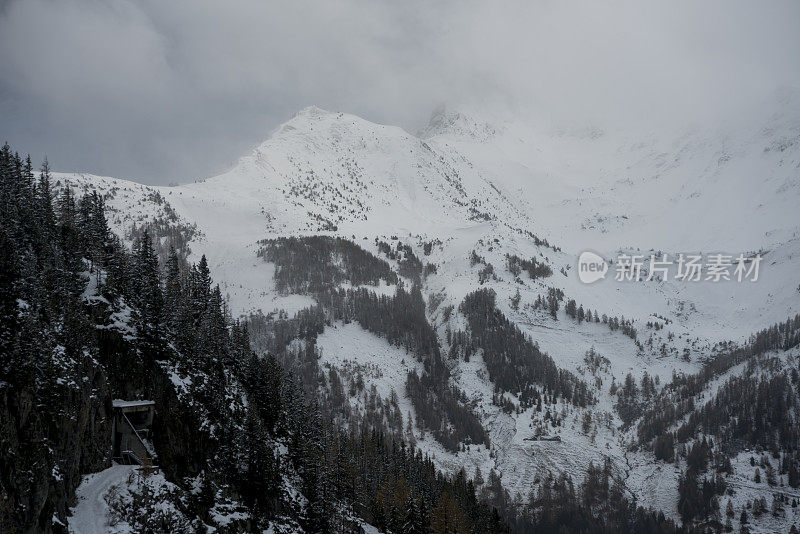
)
(25, 477)
(47, 443)
(58, 428)
(50, 438)
(181, 445)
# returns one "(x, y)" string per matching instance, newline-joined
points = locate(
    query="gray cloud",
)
(172, 91)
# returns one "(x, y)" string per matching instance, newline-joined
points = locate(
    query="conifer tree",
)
(150, 300)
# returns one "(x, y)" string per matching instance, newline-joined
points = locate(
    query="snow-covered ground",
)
(712, 190)
(469, 184)
(350, 348)
(90, 514)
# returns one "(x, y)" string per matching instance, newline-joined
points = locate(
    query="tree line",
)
(514, 362)
(85, 319)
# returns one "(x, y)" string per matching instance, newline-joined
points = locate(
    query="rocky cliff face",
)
(45, 448)
(51, 437)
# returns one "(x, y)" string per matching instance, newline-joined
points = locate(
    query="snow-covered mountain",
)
(466, 180)
(467, 188)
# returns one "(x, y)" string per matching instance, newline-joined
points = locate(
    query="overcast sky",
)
(171, 91)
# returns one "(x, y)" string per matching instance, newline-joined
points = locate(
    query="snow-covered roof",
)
(119, 403)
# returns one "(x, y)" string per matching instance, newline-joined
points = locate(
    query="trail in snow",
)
(89, 516)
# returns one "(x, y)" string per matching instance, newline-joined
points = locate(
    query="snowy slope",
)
(709, 191)
(490, 187)
(90, 514)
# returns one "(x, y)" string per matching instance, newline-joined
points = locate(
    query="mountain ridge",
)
(460, 203)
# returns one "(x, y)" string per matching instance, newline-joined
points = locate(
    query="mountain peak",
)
(313, 112)
(458, 123)
(302, 118)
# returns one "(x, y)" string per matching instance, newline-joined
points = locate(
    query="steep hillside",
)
(505, 209)
(131, 401)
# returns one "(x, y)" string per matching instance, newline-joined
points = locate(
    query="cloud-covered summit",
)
(173, 91)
